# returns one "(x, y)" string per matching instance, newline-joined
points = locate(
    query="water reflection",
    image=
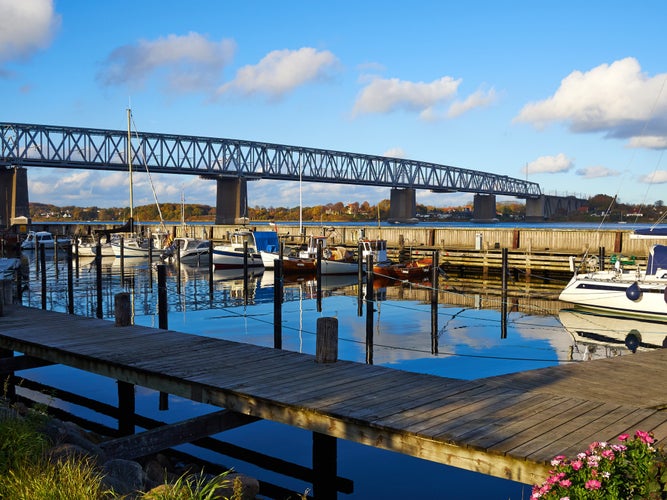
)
(598, 336)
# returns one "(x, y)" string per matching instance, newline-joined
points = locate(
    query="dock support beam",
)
(402, 205)
(13, 195)
(231, 201)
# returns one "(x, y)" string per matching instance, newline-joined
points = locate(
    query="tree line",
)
(600, 205)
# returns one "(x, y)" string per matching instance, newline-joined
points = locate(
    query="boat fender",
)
(664, 294)
(632, 340)
(633, 292)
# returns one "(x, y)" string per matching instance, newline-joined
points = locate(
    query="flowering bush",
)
(633, 469)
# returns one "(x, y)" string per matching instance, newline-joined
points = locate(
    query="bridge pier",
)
(13, 195)
(484, 207)
(231, 201)
(402, 205)
(539, 209)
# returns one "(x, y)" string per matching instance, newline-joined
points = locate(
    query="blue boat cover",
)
(267, 241)
(652, 231)
(657, 258)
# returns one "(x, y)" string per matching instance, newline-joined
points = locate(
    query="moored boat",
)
(43, 238)
(335, 259)
(239, 252)
(630, 292)
(189, 250)
(412, 270)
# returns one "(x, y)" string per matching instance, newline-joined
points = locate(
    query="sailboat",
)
(129, 243)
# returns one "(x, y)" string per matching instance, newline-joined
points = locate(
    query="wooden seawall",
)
(507, 426)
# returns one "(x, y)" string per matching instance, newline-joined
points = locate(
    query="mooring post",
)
(370, 309)
(98, 278)
(122, 309)
(42, 262)
(325, 460)
(122, 259)
(70, 281)
(278, 304)
(245, 272)
(601, 258)
(318, 275)
(503, 299)
(210, 266)
(126, 408)
(326, 344)
(434, 301)
(360, 279)
(163, 320)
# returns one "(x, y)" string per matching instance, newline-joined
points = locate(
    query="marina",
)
(479, 333)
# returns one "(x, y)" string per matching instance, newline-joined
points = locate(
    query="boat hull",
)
(604, 291)
(229, 259)
(293, 265)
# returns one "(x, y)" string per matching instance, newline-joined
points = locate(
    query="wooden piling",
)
(122, 309)
(326, 345)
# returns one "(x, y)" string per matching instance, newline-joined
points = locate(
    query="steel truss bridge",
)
(76, 147)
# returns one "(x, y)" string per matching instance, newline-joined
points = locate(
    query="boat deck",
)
(507, 426)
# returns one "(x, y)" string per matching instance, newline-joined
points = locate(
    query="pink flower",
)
(577, 464)
(645, 437)
(608, 454)
(623, 437)
(565, 483)
(593, 484)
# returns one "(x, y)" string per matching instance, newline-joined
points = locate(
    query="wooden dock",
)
(507, 426)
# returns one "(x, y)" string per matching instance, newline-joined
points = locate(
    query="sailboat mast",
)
(129, 158)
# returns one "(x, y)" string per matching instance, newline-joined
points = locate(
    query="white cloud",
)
(479, 99)
(657, 177)
(618, 99)
(549, 165)
(649, 142)
(281, 71)
(190, 62)
(25, 27)
(596, 172)
(394, 153)
(386, 95)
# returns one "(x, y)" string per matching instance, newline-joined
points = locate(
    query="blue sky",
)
(567, 94)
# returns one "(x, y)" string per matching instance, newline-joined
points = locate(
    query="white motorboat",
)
(630, 292)
(44, 238)
(237, 253)
(189, 250)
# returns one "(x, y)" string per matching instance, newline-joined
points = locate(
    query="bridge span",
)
(233, 162)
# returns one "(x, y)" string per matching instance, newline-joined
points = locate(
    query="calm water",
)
(471, 341)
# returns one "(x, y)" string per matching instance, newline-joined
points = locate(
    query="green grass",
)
(26, 473)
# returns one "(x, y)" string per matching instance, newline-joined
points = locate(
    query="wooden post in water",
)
(503, 303)
(163, 319)
(42, 262)
(325, 459)
(122, 309)
(318, 275)
(360, 279)
(245, 272)
(370, 309)
(210, 268)
(278, 304)
(434, 301)
(326, 343)
(122, 259)
(126, 408)
(178, 267)
(98, 279)
(70, 281)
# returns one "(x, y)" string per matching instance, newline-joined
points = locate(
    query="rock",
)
(123, 476)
